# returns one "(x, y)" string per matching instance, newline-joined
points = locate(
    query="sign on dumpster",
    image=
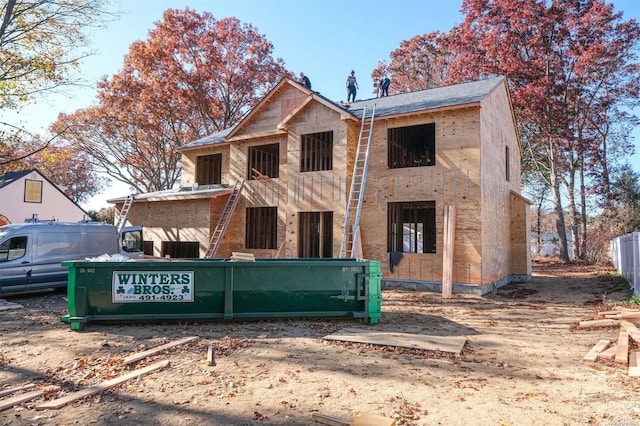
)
(152, 286)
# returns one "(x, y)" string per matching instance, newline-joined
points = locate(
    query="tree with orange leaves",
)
(193, 76)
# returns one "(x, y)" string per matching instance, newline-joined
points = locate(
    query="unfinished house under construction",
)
(426, 182)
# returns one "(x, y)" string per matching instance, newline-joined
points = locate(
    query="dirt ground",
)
(521, 364)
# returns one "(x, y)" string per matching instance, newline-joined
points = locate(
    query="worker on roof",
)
(304, 80)
(352, 85)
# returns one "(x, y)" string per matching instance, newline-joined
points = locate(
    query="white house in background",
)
(27, 194)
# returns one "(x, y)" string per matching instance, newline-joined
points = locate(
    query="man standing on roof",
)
(384, 86)
(352, 85)
(304, 80)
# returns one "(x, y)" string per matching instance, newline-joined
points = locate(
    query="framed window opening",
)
(180, 249)
(316, 152)
(264, 161)
(262, 227)
(412, 146)
(209, 169)
(411, 227)
(315, 234)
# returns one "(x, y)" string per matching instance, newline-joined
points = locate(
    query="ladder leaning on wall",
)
(124, 213)
(356, 193)
(224, 219)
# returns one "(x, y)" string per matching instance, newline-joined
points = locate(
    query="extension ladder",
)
(224, 220)
(124, 213)
(356, 193)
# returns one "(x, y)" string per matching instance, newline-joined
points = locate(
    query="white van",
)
(31, 253)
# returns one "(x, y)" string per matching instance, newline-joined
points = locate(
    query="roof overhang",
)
(265, 134)
(176, 195)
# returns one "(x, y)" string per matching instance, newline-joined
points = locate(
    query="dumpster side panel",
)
(220, 289)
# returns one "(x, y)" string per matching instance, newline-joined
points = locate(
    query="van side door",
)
(52, 246)
(15, 262)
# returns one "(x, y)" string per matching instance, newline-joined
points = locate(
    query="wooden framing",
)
(475, 169)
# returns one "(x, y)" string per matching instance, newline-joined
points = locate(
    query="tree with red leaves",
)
(193, 76)
(419, 63)
(572, 68)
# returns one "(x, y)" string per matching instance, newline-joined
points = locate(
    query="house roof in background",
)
(9, 178)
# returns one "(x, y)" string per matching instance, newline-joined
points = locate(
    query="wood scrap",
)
(329, 420)
(598, 323)
(622, 348)
(362, 419)
(9, 391)
(609, 353)
(449, 344)
(628, 319)
(5, 305)
(634, 364)
(597, 348)
(368, 419)
(624, 315)
(243, 257)
(61, 402)
(633, 331)
(211, 359)
(616, 311)
(137, 357)
(26, 397)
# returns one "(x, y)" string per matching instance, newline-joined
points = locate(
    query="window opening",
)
(315, 235)
(209, 169)
(316, 152)
(262, 226)
(412, 146)
(412, 227)
(264, 161)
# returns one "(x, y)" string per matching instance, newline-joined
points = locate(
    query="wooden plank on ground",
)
(26, 397)
(368, 419)
(622, 352)
(597, 348)
(598, 323)
(7, 306)
(153, 351)
(609, 353)
(100, 387)
(628, 315)
(9, 391)
(329, 420)
(631, 328)
(450, 344)
(616, 311)
(634, 364)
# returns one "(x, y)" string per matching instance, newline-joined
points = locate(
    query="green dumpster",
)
(222, 289)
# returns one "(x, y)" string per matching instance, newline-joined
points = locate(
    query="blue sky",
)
(325, 39)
